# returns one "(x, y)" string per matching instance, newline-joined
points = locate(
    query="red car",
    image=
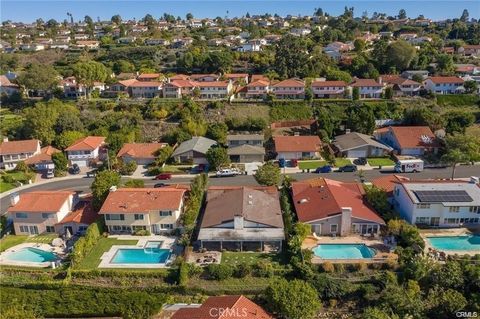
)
(163, 176)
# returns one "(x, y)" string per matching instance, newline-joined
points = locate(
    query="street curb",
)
(27, 186)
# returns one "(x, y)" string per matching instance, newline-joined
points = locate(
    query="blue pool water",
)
(140, 256)
(467, 242)
(343, 251)
(30, 254)
(153, 244)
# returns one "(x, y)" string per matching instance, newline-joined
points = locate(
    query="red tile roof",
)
(224, 307)
(142, 200)
(445, 79)
(388, 182)
(179, 77)
(140, 150)
(290, 83)
(411, 136)
(328, 83)
(256, 77)
(128, 82)
(199, 76)
(146, 84)
(321, 198)
(182, 83)
(44, 156)
(149, 76)
(213, 84)
(258, 83)
(4, 81)
(83, 213)
(41, 201)
(297, 143)
(17, 147)
(88, 143)
(365, 82)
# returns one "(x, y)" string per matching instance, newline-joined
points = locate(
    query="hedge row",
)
(458, 100)
(193, 206)
(85, 244)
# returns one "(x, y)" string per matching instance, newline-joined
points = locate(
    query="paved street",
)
(83, 184)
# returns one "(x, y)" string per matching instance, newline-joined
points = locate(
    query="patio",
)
(58, 251)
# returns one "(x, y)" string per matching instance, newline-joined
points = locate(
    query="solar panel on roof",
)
(443, 196)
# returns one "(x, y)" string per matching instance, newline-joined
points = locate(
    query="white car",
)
(50, 173)
(226, 172)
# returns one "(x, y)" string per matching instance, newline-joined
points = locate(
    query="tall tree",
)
(465, 15)
(101, 187)
(461, 149)
(89, 72)
(400, 54)
(291, 57)
(117, 19)
(37, 77)
(402, 14)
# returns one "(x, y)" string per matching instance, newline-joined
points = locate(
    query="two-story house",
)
(289, 89)
(401, 86)
(12, 152)
(122, 86)
(329, 89)
(85, 151)
(334, 208)
(297, 147)
(127, 210)
(469, 50)
(438, 203)
(444, 85)
(245, 148)
(257, 89)
(368, 88)
(409, 140)
(215, 90)
(145, 89)
(205, 77)
(242, 218)
(179, 88)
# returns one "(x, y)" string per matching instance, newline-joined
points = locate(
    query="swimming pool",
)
(30, 254)
(467, 242)
(153, 244)
(343, 251)
(140, 256)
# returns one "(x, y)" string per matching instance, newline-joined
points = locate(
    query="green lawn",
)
(339, 162)
(92, 260)
(313, 164)
(380, 161)
(176, 168)
(5, 186)
(235, 258)
(11, 240)
(16, 176)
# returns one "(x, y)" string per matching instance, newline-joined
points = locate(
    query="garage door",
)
(81, 163)
(357, 153)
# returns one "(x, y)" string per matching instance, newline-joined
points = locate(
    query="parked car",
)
(226, 172)
(163, 176)
(348, 168)
(360, 161)
(324, 169)
(158, 185)
(50, 174)
(92, 173)
(75, 169)
(281, 163)
(293, 163)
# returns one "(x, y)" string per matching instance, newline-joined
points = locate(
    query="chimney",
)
(14, 198)
(346, 221)
(238, 222)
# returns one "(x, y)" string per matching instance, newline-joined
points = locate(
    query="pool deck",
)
(382, 255)
(168, 243)
(46, 247)
(446, 233)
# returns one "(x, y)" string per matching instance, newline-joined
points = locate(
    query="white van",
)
(409, 166)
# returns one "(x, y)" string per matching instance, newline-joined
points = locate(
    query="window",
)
(82, 228)
(50, 229)
(138, 216)
(164, 213)
(115, 217)
(47, 215)
(423, 206)
(333, 228)
(474, 209)
(24, 229)
(422, 220)
(454, 209)
(166, 226)
(21, 215)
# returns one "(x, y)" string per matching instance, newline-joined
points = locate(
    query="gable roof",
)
(182, 83)
(320, 198)
(246, 149)
(198, 144)
(83, 213)
(245, 137)
(86, 143)
(258, 83)
(411, 136)
(354, 140)
(234, 307)
(256, 204)
(366, 82)
(44, 156)
(328, 83)
(4, 81)
(445, 79)
(290, 83)
(127, 82)
(388, 182)
(309, 143)
(140, 150)
(142, 200)
(41, 201)
(17, 147)
(179, 77)
(149, 76)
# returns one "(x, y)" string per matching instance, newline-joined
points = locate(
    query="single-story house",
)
(297, 147)
(246, 153)
(242, 218)
(193, 150)
(354, 145)
(334, 208)
(140, 153)
(409, 140)
(43, 161)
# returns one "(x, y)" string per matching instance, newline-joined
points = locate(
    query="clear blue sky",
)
(30, 10)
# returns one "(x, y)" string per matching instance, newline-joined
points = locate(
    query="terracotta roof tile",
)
(86, 143)
(83, 213)
(411, 136)
(290, 83)
(445, 79)
(365, 82)
(297, 143)
(17, 147)
(142, 200)
(328, 83)
(140, 150)
(44, 156)
(149, 76)
(41, 201)
(146, 84)
(388, 182)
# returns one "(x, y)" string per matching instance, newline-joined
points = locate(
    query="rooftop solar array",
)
(443, 196)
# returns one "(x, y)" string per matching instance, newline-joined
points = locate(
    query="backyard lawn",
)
(92, 260)
(380, 161)
(313, 164)
(11, 240)
(235, 258)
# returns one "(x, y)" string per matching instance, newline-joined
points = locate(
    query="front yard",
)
(92, 260)
(380, 161)
(8, 179)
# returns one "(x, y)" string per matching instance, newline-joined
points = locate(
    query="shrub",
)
(128, 168)
(361, 267)
(243, 270)
(8, 179)
(264, 269)
(83, 246)
(21, 167)
(339, 268)
(328, 267)
(183, 274)
(142, 232)
(219, 271)
(154, 170)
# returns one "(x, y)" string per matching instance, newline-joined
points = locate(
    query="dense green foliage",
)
(101, 187)
(268, 174)
(193, 206)
(85, 244)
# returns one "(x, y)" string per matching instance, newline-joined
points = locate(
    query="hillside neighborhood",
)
(258, 166)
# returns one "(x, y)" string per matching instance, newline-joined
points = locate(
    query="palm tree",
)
(454, 156)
